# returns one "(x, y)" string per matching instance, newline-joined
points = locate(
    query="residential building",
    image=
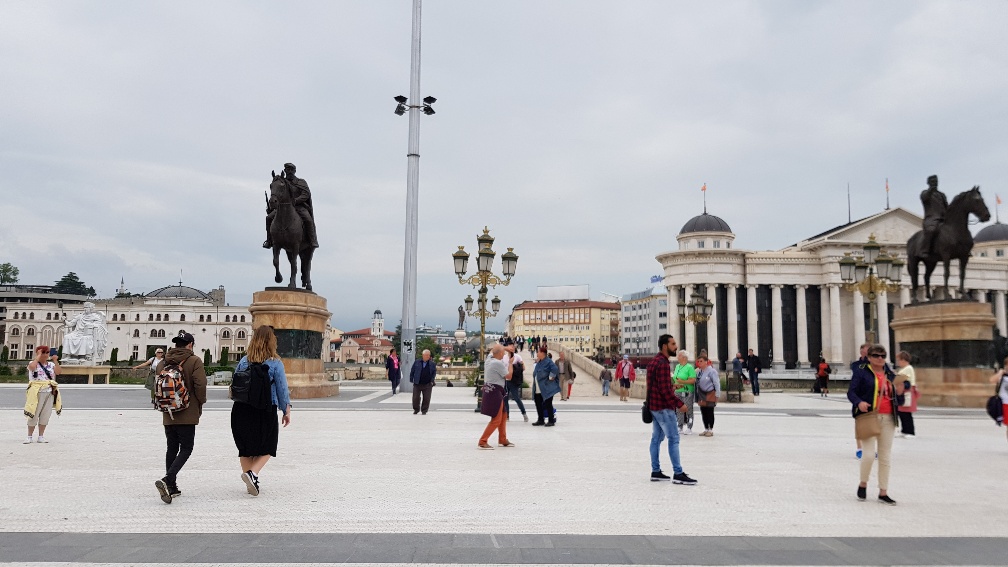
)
(644, 318)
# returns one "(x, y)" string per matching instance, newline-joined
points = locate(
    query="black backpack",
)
(995, 407)
(252, 386)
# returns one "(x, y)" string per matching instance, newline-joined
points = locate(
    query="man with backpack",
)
(179, 392)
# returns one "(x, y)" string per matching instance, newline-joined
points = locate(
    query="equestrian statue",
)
(290, 224)
(946, 235)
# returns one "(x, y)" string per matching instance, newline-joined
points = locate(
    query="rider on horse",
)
(935, 205)
(302, 204)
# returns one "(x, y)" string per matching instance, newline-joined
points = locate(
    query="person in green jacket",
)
(684, 382)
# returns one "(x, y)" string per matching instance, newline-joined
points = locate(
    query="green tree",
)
(5, 354)
(206, 358)
(8, 273)
(114, 357)
(427, 343)
(397, 339)
(225, 357)
(71, 284)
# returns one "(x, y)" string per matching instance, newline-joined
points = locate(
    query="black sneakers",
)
(862, 493)
(886, 500)
(683, 478)
(174, 491)
(162, 488)
(538, 423)
(658, 475)
(251, 482)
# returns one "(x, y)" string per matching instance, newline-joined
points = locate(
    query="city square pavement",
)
(360, 479)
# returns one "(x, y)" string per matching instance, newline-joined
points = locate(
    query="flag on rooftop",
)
(704, 188)
(998, 198)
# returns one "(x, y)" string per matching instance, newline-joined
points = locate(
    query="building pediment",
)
(890, 228)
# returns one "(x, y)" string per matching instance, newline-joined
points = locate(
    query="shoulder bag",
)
(646, 416)
(867, 425)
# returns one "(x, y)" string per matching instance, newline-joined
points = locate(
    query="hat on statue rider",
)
(290, 165)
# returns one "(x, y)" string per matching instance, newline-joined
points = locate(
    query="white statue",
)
(86, 337)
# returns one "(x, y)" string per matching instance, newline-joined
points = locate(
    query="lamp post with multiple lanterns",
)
(858, 274)
(697, 311)
(483, 279)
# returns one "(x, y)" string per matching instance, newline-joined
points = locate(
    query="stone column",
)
(999, 311)
(882, 306)
(859, 330)
(751, 318)
(802, 313)
(690, 343)
(778, 327)
(673, 315)
(732, 306)
(981, 295)
(712, 326)
(904, 296)
(836, 330)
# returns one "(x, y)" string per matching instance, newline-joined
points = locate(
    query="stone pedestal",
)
(104, 373)
(299, 320)
(952, 350)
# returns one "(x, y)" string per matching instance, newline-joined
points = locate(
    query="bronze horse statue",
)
(287, 233)
(952, 241)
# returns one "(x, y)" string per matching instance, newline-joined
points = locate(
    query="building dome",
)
(705, 223)
(377, 313)
(178, 292)
(993, 233)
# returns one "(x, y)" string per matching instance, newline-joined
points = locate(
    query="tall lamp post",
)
(858, 274)
(697, 311)
(483, 279)
(408, 328)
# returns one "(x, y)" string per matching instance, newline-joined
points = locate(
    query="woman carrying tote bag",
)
(872, 394)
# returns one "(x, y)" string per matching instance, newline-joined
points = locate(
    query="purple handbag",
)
(493, 396)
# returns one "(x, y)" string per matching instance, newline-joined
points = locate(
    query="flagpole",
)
(887, 193)
(848, 203)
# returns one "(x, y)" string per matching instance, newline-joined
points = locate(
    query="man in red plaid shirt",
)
(663, 403)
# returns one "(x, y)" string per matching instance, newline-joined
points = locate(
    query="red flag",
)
(704, 188)
(887, 185)
(998, 198)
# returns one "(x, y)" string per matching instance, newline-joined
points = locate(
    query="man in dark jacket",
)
(422, 377)
(180, 426)
(754, 367)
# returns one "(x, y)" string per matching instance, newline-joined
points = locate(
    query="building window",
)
(699, 243)
(136, 333)
(999, 253)
(137, 316)
(14, 349)
(115, 317)
(983, 254)
(242, 318)
(165, 316)
(32, 314)
(150, 317)
(241, 333)
(48, 317)
(227, 318)
(182, 317)
(717, 244)
(16, 315)
(153, 333)
(136, 351)
(29, 351)
(15, 332)
(30, 332)
(209, 318)
(200, 318)
(727, 244)
(225, 334)
(161, 334)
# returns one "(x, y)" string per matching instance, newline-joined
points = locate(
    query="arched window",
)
(161, 334)
(241, 333)
(15, 332)
(225, 334)
(17, 315)
(115, 317)
(150, 317)
(209, 318)
(48, 316)
(31, 315)
(30, 332)
(242, 318)
(136, 333)
(153, 333)
(182, 317)
(227, 318)
(158, 316)
(137, 316)
(24, 315)
(122, 316)
(200, 318)
(165, 316)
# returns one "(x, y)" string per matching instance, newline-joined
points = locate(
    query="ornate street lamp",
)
(697, 311)
(874, 272)
(483, 279)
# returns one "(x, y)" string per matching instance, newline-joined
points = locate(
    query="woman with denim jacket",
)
(873, 388)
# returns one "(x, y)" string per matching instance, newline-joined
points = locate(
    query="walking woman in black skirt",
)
(255, 431)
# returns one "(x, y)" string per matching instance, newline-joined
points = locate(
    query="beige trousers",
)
(883, 446)
(43, 410)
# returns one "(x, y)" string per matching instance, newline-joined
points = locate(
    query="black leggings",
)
(707, 413)
(181, 439)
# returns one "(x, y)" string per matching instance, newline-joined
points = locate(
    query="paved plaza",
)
(360, 479)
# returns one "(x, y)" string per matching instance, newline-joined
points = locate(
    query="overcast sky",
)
(137, 138)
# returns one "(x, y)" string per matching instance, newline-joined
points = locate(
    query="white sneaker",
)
(28, 442)
(42, 439)
(687, 431)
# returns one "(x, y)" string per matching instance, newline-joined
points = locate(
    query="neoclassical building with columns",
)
(790, 305)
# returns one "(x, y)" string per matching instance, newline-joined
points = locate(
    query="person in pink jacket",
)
(626, 375)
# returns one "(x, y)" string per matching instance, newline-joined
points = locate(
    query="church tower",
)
(377, 324)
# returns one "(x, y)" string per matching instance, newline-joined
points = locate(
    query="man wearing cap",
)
(180, 426)
(626, 375)
(302, 204)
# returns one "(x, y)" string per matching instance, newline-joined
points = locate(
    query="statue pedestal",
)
(80, 371)
(299, 321)
(952, 349)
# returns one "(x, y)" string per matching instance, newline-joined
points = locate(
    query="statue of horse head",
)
(972, 202)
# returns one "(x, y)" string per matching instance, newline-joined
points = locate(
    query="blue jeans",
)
(754, 382)
(514, 392)
(664, 425)
(605, 387)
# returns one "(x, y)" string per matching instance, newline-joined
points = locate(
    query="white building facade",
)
(643, 319)
(790, 305)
